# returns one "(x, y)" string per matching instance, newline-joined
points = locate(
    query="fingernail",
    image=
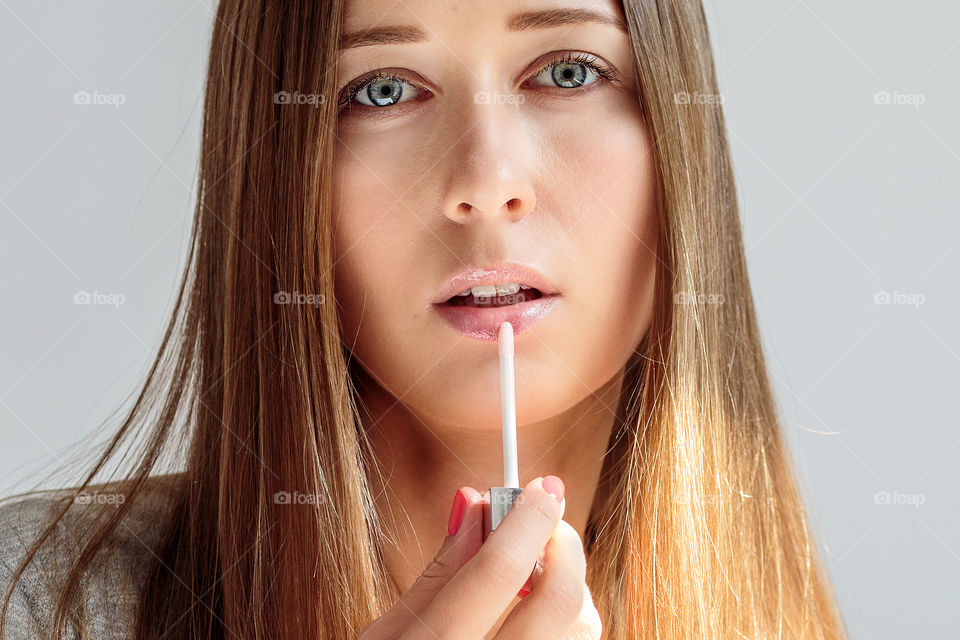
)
(456, 512)
(554, 486)
(527, 586)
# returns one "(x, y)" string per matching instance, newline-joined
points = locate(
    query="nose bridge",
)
(490, 170)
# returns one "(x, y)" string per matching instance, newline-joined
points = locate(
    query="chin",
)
(467, 401)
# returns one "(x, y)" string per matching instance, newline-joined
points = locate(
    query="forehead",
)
(428, 16)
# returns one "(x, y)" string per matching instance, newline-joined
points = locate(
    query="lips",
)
(510, 292)
(505, 273)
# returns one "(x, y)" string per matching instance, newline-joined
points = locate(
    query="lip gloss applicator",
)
(502, 498)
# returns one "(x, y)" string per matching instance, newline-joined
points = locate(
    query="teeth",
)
(484, 291)
(490, 290)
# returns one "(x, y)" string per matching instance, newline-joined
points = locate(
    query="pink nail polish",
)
(456, 512)
(554, 486)
(525, 590)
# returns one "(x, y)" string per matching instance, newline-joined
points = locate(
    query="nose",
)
(490, 175)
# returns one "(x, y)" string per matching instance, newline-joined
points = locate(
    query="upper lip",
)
(497, 274)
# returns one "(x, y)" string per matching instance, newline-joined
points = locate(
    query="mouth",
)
(477, 301)
(503, 284)
(495, 295)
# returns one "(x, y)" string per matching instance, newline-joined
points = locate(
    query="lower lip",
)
(483, 323)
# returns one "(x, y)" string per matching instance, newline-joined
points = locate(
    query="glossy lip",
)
(483, 323)
(499, 274)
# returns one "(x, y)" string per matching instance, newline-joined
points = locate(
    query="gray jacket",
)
(116, 575)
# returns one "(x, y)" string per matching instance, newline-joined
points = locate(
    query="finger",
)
(455, 551)
(557, 599)
(475, 598)
(588, 626)
(525, 589)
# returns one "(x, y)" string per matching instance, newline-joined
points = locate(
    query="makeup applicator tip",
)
(505, 338)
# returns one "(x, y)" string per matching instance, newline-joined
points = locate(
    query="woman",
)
(375, 176)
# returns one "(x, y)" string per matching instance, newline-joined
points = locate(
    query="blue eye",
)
(571, 72)
(382, 89)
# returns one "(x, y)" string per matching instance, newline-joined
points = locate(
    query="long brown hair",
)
(699, 529)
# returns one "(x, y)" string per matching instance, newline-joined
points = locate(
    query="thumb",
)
(456, 550)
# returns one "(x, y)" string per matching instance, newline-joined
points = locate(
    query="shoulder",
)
(114, 579)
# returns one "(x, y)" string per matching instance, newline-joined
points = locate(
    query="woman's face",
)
(490, 148)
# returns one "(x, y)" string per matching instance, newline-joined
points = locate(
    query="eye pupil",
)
(385, 92)
(569, 74)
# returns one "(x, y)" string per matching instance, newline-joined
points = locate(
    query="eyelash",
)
(586, 59)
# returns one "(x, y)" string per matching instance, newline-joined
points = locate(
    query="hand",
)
(469, 585)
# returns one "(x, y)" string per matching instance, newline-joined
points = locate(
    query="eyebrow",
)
(544, 19)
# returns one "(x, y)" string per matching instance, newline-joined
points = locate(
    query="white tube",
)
(508, 406)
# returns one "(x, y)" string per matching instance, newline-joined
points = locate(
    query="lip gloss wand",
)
(502, 498)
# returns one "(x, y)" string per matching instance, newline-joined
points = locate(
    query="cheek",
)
(607, 210)
(378, 244)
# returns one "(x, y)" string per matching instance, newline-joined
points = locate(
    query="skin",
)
(562, 181)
